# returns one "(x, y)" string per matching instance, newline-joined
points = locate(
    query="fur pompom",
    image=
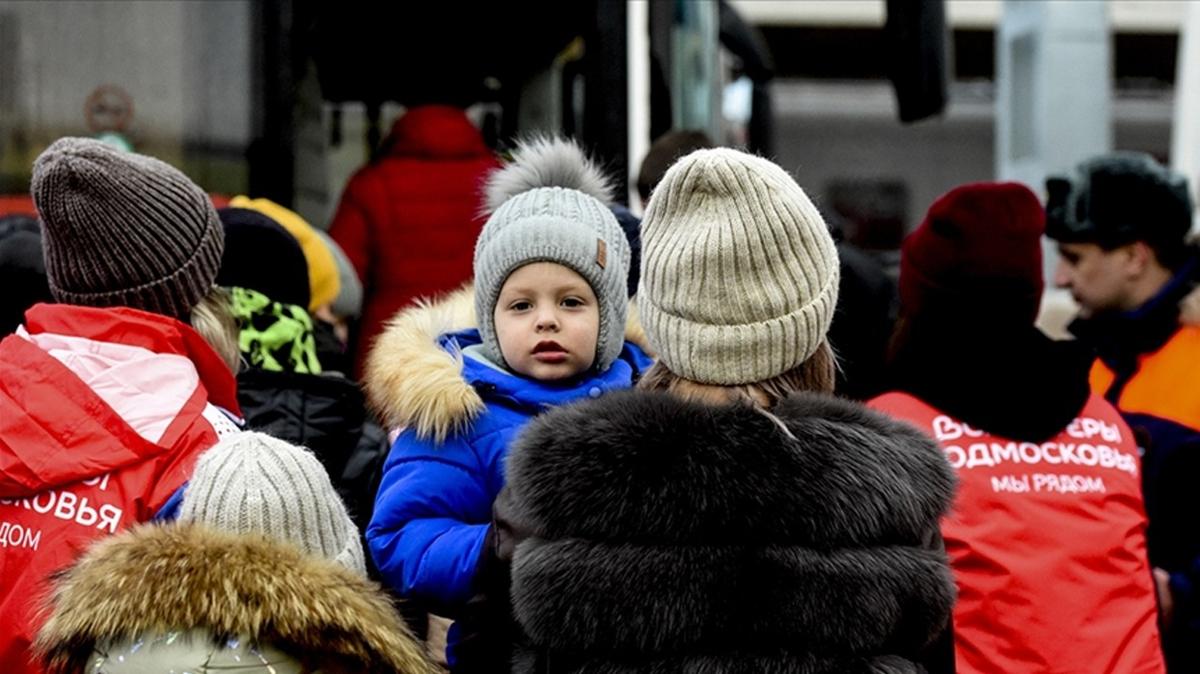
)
(547, 162)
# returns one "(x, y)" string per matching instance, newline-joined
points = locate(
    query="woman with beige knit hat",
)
(731, 515)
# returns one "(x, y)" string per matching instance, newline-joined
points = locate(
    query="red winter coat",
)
(408, 221)
(1048, 545)
(103, 413)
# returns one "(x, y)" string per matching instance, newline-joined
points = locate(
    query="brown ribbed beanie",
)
(739, 272)
(123, 229)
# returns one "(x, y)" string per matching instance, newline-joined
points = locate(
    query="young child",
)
(550, 302)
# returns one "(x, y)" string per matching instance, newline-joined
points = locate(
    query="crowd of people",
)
(713, 439)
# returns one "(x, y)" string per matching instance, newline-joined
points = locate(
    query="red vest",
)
(74, 469)
(1047, 543)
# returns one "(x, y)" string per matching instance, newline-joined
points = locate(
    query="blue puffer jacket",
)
(459, 415)
(435, 502)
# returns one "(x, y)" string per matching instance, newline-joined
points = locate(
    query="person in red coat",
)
(408, 220)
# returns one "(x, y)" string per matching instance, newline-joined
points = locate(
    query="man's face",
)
(1098, 279)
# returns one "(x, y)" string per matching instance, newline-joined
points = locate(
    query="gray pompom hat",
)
(550, 205)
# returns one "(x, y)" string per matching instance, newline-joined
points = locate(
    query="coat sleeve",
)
(938, 657)
(351, 227)
(431, 520)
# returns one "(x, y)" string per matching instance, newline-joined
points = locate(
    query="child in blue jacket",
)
(550, 303)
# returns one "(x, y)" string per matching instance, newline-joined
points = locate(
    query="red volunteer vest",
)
(52, 424)
(1047, 543)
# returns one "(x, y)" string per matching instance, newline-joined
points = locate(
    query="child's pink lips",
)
(548, 346)
(549, 352)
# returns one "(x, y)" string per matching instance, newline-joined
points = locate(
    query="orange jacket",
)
(1164, 384)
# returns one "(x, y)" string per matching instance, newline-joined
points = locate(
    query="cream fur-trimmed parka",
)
(213, 586)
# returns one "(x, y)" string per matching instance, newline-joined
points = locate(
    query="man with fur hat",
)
(730, 515)
(108, 399)
(1046, 537)
(550, 304)
(1122, 223)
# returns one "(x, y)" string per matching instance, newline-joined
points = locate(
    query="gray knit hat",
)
(739, 272)
(252, 482)
(123, 229)
(348, 303)
(549, 205)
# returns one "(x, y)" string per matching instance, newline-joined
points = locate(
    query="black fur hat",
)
(1119, 198)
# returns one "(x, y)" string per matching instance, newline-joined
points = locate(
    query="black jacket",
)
(657, 535)
(862, 323)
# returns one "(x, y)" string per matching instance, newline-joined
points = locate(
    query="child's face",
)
(547, 322)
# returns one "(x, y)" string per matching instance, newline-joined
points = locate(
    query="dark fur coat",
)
(659, 535)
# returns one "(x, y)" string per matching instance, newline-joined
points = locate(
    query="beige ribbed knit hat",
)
(739, 271)
(123, 229)
(252, 482)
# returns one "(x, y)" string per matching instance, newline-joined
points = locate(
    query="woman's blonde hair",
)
(816, 374)
(212, 318)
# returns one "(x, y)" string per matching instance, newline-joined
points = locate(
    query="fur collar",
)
(647, 466)
(156, 579)
(411, 381)
(662, 526)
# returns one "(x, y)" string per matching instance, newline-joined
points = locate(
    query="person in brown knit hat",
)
(108, 398)
(123, 229)
(730, 515)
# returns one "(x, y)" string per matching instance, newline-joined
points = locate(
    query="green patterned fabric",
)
(274, 336)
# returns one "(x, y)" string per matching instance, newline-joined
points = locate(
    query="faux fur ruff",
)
(661, 527)
(156, 579)
(589, 596)
(411, 381)
(546, 162)
(646, 467)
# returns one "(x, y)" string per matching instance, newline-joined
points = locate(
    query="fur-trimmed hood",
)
(664, 529)
(411, 381)
(157, 579)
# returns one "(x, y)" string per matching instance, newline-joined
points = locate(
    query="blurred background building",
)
(877, 106)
